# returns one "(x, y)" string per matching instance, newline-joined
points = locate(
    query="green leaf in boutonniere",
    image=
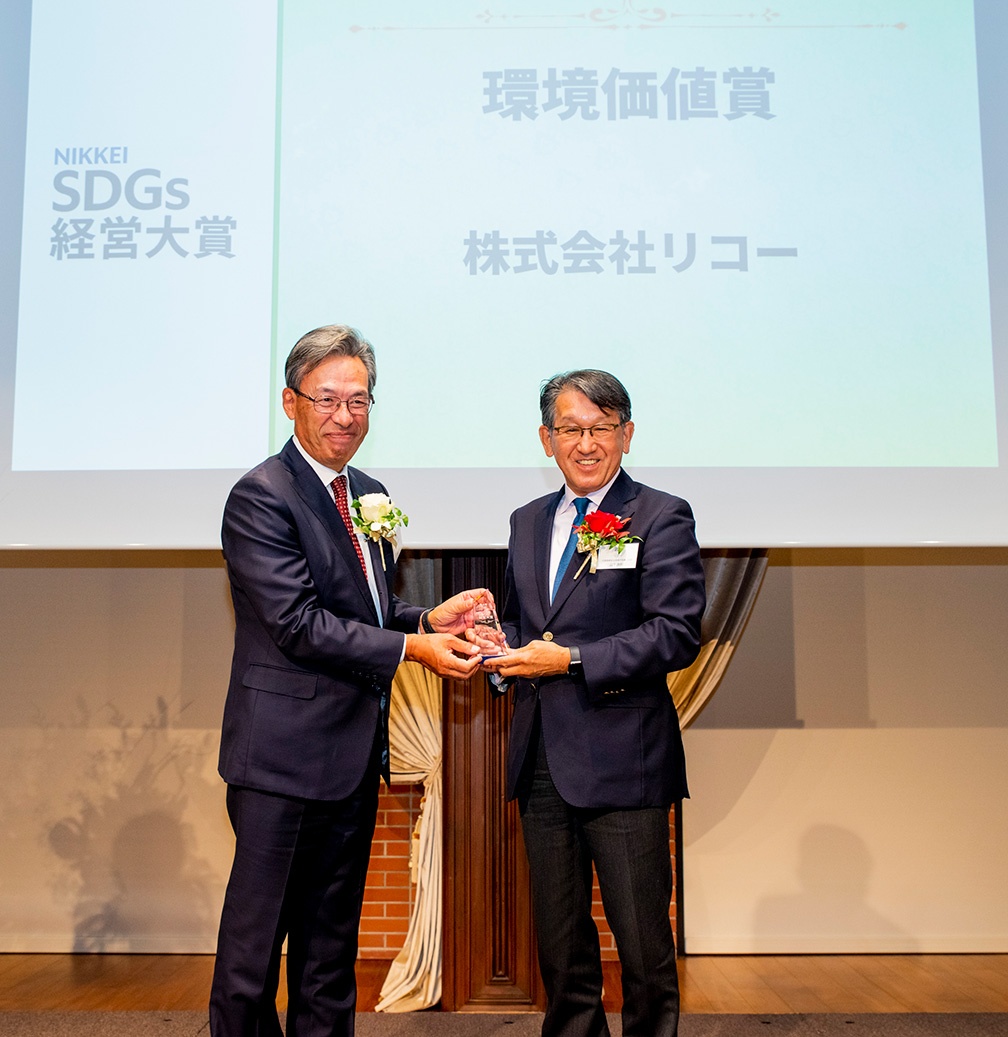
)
(600, 529)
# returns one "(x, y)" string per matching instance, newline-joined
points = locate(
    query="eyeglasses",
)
(356, 405)
(572, 433)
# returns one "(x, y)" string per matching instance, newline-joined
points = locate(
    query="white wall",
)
(113, 833)
(848, 777)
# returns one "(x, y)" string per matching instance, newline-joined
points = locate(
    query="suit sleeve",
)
(663, 634)
(313, 623)
(403, 617)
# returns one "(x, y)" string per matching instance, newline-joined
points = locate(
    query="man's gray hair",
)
(333, 340)
(603, 389)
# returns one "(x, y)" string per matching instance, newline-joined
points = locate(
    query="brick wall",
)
(389, 893)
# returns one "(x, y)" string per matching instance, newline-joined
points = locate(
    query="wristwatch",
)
(574, 668)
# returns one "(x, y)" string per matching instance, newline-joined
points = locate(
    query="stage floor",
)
(709, 983)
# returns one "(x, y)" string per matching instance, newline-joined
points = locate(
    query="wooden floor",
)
(721, 983)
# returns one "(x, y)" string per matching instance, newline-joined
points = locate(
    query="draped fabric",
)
(414, 981)
(733, 580)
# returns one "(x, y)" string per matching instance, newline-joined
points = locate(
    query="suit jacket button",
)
(548, 636)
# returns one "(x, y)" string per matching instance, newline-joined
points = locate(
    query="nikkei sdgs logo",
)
(122, 214)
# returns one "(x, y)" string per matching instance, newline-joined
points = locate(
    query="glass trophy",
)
(487, 629)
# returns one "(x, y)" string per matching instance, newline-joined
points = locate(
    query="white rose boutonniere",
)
(376, 516)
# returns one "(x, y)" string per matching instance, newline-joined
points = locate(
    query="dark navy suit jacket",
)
(612, 735)
(311, 661)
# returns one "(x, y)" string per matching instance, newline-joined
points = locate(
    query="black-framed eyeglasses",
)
(571, 433)
(356, 405)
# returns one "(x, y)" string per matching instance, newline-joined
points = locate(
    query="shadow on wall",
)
(834, 875)
(136, 873)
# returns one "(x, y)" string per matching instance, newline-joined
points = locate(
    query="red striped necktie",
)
(340, 491)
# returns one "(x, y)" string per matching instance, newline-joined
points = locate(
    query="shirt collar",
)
(596, 496)
(325, 474)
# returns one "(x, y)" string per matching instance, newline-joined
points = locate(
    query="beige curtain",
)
(733, 581)
(414, 980)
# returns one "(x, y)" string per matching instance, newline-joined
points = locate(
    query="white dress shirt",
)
(564, 518)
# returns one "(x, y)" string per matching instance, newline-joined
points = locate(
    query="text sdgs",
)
(101, 189)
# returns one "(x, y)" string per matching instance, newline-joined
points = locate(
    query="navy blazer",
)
(311, 661)
(612, 734)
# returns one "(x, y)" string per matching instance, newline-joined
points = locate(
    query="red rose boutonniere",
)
(600, 529)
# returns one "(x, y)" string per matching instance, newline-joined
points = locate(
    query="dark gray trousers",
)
(630, 851)
(299, 873)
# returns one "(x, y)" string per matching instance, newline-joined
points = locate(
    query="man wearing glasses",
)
(595, 755)
(318, 637)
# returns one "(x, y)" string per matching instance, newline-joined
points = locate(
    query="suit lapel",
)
(373, 555)
(309, 488)
(621, 493)
(542, 540)
(616, 502)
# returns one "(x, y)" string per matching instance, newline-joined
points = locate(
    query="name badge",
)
(610, 558)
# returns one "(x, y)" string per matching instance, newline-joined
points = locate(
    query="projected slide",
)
(770, 223)
(780, 248)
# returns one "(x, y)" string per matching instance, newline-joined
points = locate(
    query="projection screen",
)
(783, 227)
